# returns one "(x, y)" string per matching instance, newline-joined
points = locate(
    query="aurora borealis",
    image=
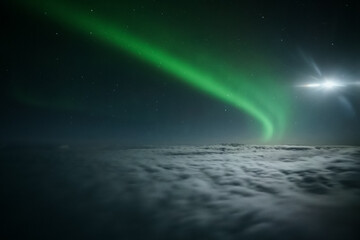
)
(262, 98)
(180, 120)
(189, 72)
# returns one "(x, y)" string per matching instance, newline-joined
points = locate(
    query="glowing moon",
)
(326, 84)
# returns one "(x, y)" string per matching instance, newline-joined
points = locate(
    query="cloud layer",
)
(184, 192)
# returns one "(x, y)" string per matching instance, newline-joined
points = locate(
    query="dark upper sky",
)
(66, 77)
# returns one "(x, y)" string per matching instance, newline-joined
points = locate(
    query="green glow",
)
(236, 89)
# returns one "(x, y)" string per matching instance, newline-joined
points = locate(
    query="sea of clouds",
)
(228, 191)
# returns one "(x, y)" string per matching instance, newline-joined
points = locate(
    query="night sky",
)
(180, 72)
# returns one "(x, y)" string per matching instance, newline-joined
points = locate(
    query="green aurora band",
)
(264, 100)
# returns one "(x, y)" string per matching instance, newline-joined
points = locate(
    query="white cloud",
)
(211, 192)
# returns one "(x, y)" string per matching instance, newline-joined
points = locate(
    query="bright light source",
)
(329, 84)
(326, 84)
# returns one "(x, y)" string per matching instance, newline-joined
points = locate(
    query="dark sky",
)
(64, 83)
